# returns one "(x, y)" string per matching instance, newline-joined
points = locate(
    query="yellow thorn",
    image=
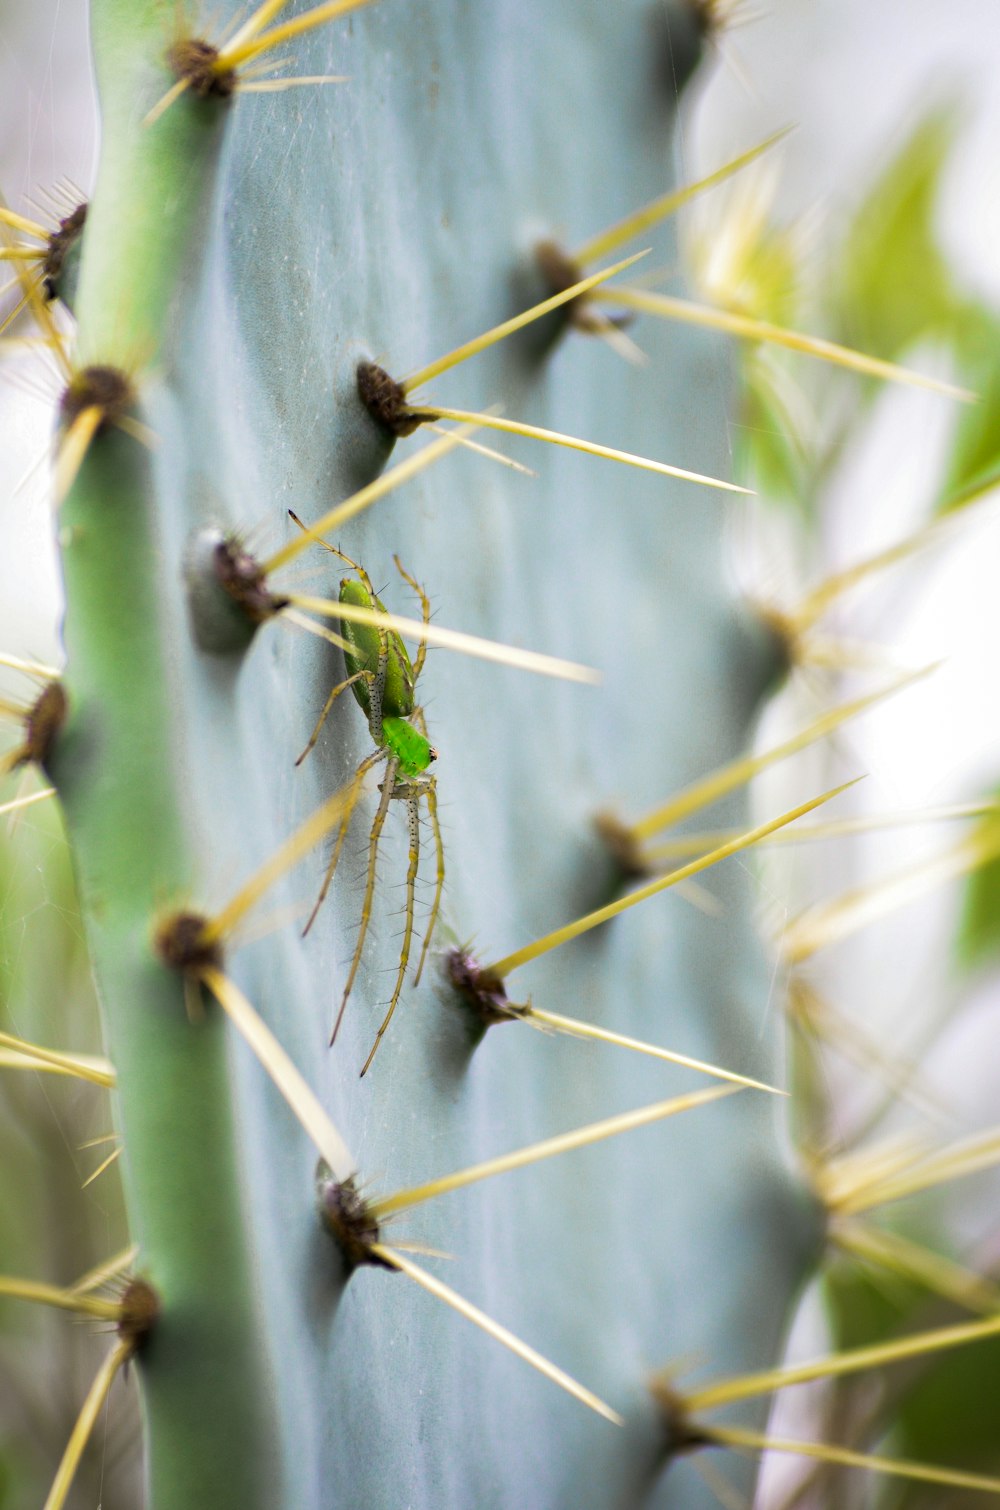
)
(830, 922)
(301, 621)
(510, 962)
(275, 86)
(739, 772)
(667, 204)
(74, 447)
(106, 1164)
(256, 23)
(21, 223)
(738, 1436)
(548, 1148)
(83, 1066)
(838, 1181)
(290, 853)
(80, 1435)
(898, 1255)
(851, 1361)
(816, 602)
(32, 668)
(239, 51)
(837, 828)
(450, 639)
(811, 1013)
(577, 1029)
(16, 803)
(746, 329)
(533, 432)
(109, 1269)
(365, 497)
(62, 1300)
(297, 1093)
(162, 106)
(488, 451)
(499, 332)
(496, 1331)
(970, 1156)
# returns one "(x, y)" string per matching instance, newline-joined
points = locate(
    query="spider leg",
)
(378, 823)
(349, 806)
(358, 676)
(430, 792)
(425, 608)
(413, 818)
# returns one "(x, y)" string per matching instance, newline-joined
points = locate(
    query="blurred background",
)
(875, 224)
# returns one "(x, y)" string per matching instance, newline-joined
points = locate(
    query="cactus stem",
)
(297, 1093)
(493, 1329)
(508, 327)
(32, 1056)
(364, 498)
(580, 1137)
(896, 1254)
(667, 307)
(924, 1473)
(668, 204)
(737, 773)
(589, 447)
(559, 936)
(836, 1365)
(449, 639)
(829, 922)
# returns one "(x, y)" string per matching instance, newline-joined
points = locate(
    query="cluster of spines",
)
(99, 396)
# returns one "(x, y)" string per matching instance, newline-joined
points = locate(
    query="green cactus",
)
(244, 256)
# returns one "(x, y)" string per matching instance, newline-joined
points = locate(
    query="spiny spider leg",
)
(430, 792)
(368, 676)
(378, 823)
(410, 791)
(349, 806)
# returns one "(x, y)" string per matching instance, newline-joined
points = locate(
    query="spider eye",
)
(432, 754)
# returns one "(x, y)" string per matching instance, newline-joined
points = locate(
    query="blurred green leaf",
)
(976, 451)
(894, 284)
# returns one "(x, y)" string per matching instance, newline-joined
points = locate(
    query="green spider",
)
(382, 679)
